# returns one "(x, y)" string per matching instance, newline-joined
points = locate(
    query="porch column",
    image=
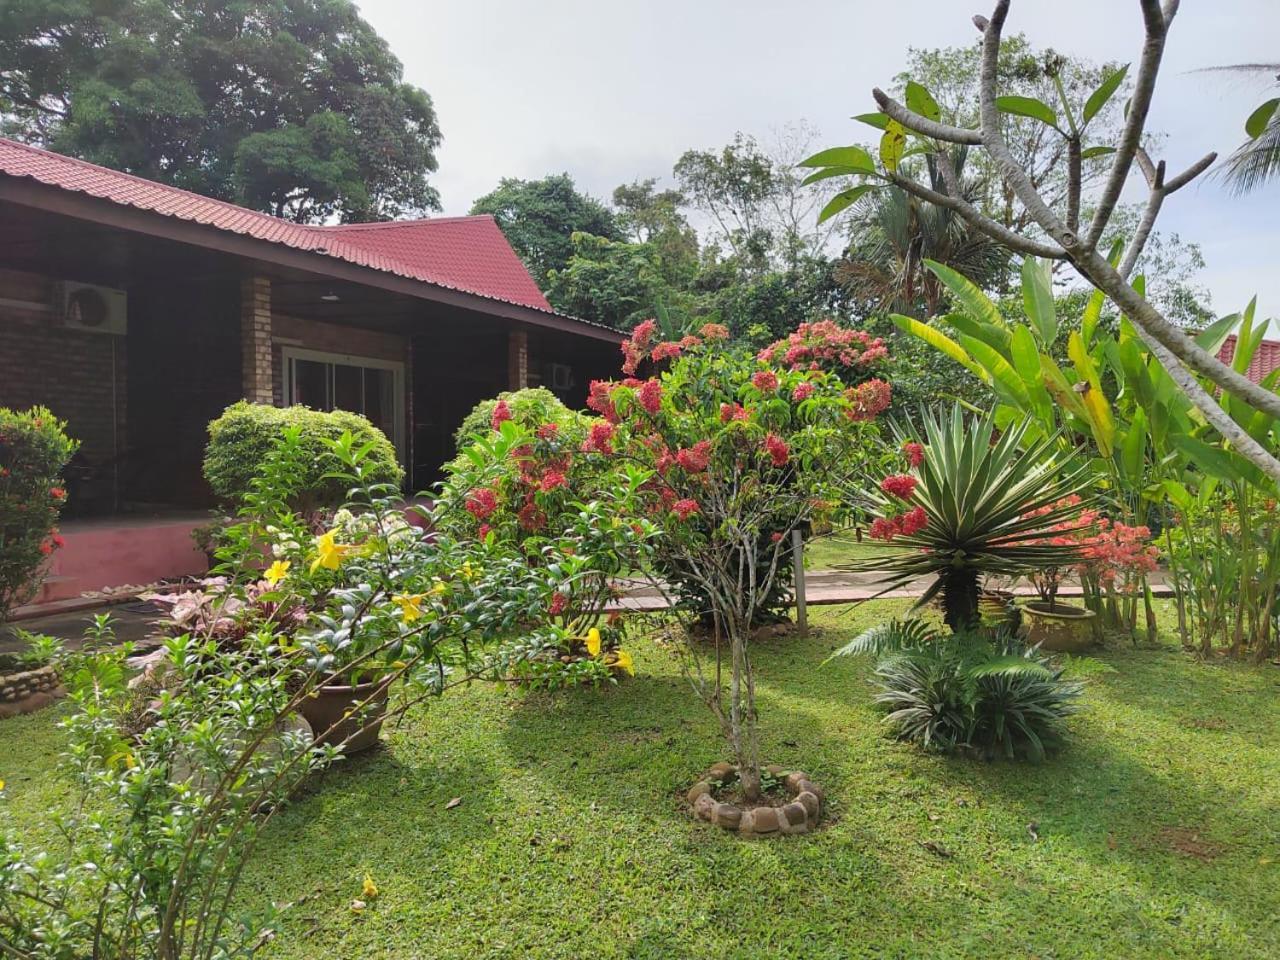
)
(517, 360)
(255, 339)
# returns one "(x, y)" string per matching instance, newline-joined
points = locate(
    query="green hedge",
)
(529, 407)
(240, 439)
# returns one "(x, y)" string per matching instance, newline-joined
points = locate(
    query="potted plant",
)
(1047, 622)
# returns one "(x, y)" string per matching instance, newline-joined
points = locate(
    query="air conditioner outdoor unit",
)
(94, 309)
(561, 376)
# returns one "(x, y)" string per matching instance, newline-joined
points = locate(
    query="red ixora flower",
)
(483, 531)
(481, 502)
(559, 604)
(776, 536)
(868, 400)
(900, 485)
(913, 521)
(913, 452)
(552, 480)
(766, 381)
(599, 439)
(696, 458)
(650, 394)
(732, 411)
(803, 391)
(714, 331)
(548, 431)
(777, 449)
(501, 414)
(684, 509)
(57, 493)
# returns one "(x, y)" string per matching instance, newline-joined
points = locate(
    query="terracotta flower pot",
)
(338, 706)
(1065, 628)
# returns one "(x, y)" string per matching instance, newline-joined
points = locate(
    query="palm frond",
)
(894, 636)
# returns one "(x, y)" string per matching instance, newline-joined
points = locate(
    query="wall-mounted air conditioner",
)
(94, 309)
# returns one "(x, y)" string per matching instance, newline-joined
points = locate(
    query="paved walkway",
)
(134, 618)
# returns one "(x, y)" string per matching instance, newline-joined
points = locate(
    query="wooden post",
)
(802, 607)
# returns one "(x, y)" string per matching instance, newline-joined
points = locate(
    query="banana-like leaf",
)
(1037, 298)
(969, 298)
(1096, 404)
(940, 341)
(1004, 378)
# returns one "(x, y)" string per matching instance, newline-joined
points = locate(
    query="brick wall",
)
(80, 376)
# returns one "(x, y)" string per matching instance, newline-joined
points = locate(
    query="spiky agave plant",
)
(991, 497)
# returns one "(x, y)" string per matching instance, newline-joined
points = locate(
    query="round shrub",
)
(529, 408)
(241, 438)
(34, 447)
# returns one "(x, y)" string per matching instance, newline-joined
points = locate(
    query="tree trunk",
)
(960, 599)
(742, 718)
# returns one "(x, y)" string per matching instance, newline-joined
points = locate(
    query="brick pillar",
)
(517, 360)
(255, 339)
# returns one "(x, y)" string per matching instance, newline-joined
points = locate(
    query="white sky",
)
(614, 91)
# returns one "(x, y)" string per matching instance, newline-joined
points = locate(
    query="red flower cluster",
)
(777, 450)
(732, 411)
(559, 603)
(913, 452)
(886, 528)
(695, 459)
(766, 381)
(552, 480)
(501, 414)
(57, 493)
(599, 438)
(714, 331)
(684, 509)
(482, 502)
(900, 485)
(599, 399)
(650, 394)
(825, 344)
(803, 391)
(868, 400)
(637, 345)
(548, 431)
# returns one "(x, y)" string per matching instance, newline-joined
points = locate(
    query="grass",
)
(1155, 831)
(827, 552)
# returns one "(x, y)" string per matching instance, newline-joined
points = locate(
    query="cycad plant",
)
(982, 501)
(966, 691)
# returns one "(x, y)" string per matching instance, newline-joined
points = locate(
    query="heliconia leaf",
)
(843, 199)
(1092, 314)
(968, 297)
(1088, 153)
(852, 156)
(1026, 356)
(877, 120)
(1210, 459)
(1037, 298)
(1134, 447)
(1096, 404)
(940, 341)
(1106, 89)
(1028, 107)
(1055, 381)
(920, 100)
(988, 333)
(1258, 120)
(1215, 335)
(892, 144)
(1004, 379)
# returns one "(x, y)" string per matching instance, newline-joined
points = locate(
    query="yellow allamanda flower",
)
(410, 605)
(624, 662)
(468, 570)
(329, 553)
(593, 642)
(276, 572)
(440, 588)
(369, 889)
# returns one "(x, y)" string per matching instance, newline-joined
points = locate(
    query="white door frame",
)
(289, 354)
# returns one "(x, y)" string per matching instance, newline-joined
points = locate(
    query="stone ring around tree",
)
(799, 814)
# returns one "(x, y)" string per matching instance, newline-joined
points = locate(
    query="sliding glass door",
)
(330, 381)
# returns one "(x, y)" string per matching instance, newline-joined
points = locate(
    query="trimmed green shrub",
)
(529, 408)
(241, 439)
(34, 447)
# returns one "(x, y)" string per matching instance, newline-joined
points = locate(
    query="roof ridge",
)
(416, 222)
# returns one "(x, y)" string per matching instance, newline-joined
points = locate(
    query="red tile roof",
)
(1265, 359)
(469, 254)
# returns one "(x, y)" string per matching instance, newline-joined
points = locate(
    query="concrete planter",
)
(1065, 629)
(339, 707)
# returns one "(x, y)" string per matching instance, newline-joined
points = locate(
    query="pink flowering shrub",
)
(34, 449)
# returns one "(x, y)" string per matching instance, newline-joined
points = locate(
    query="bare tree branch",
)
(923, 125)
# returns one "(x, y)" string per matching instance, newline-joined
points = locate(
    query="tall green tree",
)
(540, 217)
(1256, 161)
(295, 107)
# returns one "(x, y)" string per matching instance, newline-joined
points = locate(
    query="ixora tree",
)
(1062, 234)
(739, 451)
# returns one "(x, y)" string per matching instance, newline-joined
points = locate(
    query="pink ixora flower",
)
(803, 391)
(868, 400)
(599, 438)
(481, 502)
(552, 480)
(766, 381)
(501, 414)
(777, 450)
(714, 331)
(900, 485)
(732, 411)
(913, 521)
(695, 459)
(650, 394)
(559, 604)
(913, 452)
(684, 509)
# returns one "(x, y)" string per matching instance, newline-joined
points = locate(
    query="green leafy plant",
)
(241, 438)
(34, 449)
(979, 503)
(529, 408)
(966, 691)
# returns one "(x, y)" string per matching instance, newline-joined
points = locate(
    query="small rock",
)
(774, 770)
(794, 779)
(808, 786)
(726, 815)
(721, 771)
(700, 789)
(703, 806)
(795, 813)
(765, 820)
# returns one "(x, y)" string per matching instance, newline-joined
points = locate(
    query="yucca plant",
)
(990, 498)
(966, 691)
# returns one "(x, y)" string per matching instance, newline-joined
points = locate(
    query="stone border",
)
(29, 690)
(800, 815)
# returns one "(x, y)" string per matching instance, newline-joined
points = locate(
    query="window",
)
(330, 381)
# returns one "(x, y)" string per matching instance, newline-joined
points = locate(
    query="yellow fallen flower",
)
(624, 662)
(369, 889)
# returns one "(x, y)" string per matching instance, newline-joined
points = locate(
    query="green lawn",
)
(1157, 829)
(826, 552)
